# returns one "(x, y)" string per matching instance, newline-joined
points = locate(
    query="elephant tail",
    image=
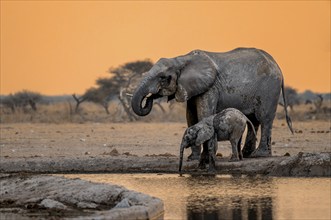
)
(288, 119)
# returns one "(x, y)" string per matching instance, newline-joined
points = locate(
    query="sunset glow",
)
(59, 47)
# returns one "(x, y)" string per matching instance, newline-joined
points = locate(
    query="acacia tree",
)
(122, 81)
(21, 100)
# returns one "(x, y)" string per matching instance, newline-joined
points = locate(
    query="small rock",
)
(87, 153)
(125, 203)
(114, 152)
(87, 205)
(52, 204)
(128, 154)
(82, 140)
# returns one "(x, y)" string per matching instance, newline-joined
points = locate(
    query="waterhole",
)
(229, 197)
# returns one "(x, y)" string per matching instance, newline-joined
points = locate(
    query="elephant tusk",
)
(149, 95)
(129, 94)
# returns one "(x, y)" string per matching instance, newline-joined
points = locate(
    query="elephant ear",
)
(204, 134)
(197, 75)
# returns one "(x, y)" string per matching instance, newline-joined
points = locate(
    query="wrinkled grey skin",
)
(247, 79)
(229, 124)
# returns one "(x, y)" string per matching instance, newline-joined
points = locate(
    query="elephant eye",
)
(165, 79)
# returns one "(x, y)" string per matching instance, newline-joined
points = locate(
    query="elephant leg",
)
(207, 146)
(235, 155)
(250, 143)
(204, 156)
(264, 149)
(205, 107)
(212, 145)
(192, 119)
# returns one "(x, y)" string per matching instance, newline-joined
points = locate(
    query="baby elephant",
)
(228, 124)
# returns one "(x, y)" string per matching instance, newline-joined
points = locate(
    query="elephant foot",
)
(193, 157)
(202, 165)
(234, 159)
(241, 156)
(247, 151)
(261, 153)
(211, 169)
(204, 159)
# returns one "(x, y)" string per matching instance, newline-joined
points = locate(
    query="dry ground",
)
(94, 146)
(26, 140)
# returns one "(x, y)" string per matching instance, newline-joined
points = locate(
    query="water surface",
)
(228, 197)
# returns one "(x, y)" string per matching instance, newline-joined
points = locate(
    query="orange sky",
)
(62, 47)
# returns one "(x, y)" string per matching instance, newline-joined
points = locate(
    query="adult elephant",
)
(248, 79)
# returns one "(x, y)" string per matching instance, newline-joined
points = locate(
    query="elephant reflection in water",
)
(250, 209)
(219, 198)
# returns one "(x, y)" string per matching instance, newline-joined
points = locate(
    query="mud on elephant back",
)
(247, 79)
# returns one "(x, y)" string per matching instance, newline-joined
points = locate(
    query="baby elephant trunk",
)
(181, 154)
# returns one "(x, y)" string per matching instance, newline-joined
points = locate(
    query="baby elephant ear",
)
(204, 134)
(196, 76)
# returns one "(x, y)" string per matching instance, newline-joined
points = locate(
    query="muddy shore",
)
(302, 164)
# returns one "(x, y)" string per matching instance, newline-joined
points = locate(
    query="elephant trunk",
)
(181, 154)
(137, 101)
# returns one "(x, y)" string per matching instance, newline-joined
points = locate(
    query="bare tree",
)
(318, 102)
(78, 100)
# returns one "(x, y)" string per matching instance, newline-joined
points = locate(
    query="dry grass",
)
(307, 112)
(63, 112)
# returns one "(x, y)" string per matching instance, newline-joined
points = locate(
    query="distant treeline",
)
(118, 87)
(24, 97)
